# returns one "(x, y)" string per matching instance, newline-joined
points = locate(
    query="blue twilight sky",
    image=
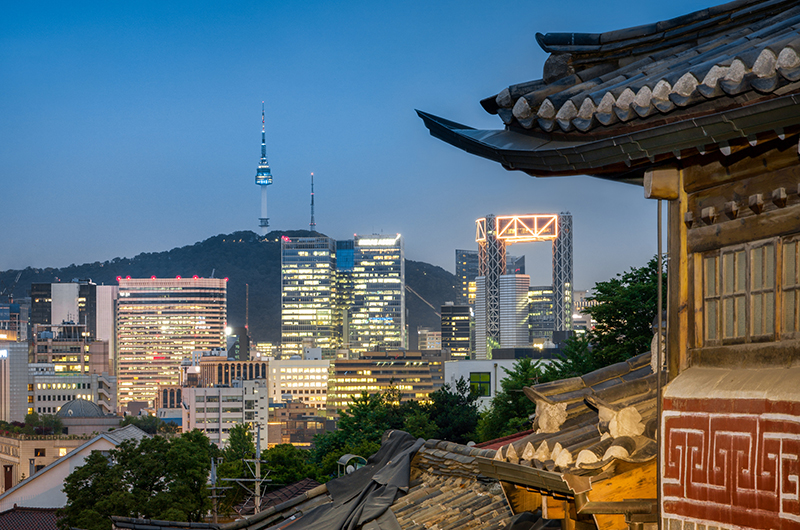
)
(130, 127)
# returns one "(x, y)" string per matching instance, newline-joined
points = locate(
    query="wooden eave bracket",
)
(732, 210)
(779, 197)
(756, 203)
(630, 507)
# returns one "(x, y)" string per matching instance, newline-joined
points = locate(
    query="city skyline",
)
(134, 129)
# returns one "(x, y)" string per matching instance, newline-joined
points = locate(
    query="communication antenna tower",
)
(313, 224)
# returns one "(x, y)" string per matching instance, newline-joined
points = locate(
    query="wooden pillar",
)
(678, 283)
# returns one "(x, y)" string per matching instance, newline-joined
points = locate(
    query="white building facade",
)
(215, 410)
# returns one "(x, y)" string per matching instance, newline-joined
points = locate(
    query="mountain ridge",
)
(244, 258)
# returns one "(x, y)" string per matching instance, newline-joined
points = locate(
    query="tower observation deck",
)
(263, 177)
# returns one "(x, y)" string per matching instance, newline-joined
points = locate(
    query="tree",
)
(154, 479)
(288, 464)
(575, 360)
(510, 409)
(42, 424)
(151, 424)
(454, 412)
(624, 314)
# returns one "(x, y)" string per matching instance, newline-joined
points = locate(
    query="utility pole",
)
(258, 470)
(255, 492)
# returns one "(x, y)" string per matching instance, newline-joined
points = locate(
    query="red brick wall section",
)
(732, 461)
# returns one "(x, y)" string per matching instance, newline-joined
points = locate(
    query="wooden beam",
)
(636, 483)
(520, 498)
(777, 222)
(553, 509)
(764, 158)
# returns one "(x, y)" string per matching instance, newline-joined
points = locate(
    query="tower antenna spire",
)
(263, 175)
(313, 224)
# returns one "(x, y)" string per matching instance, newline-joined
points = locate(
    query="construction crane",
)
(10, 289)
(409, 289)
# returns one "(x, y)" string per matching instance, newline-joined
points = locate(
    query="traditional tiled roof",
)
(612, 103)
(129, 432)
(652, 70)
(578, 420)
(585, 423)
(29, 519)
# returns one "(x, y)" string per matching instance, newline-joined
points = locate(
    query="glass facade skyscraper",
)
(159, 322)
(377, 312)
(308, 295)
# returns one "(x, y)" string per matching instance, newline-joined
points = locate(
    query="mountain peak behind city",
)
(245, 258)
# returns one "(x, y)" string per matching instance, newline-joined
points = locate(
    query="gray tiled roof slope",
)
(446, 502)
(583, 424)
(700, 63)
(129, 432)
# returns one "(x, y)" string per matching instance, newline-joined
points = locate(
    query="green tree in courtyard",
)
(510, 409)
(454, 412)
(154, 479)
(624, 314)
(151, 424)
(288, 464)
(451, 414)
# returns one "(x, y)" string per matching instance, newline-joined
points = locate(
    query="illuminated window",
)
(480, 383)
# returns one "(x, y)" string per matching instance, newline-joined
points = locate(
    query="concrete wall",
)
(43, 490)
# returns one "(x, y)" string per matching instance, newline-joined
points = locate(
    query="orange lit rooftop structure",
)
(520, 228)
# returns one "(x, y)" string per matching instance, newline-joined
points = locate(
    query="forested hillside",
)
(244, 258)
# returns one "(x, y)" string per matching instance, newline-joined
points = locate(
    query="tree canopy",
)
(450, 414)
(150, 424)
(510, 409)
(156, 478)
(624, 315)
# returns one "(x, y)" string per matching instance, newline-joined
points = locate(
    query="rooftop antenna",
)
(313, 224)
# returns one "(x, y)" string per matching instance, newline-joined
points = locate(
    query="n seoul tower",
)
(263, 177)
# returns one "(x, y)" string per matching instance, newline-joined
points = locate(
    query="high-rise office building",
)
(377, 315)
(541, 319)
(159, 322)
(457, 325)
(467, 271)
(308, 294)
(55, 303)
(345, 256)
(514, 310)
(80, 302)
(562, 274)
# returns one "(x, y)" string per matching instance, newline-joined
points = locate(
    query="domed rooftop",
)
(80, 408)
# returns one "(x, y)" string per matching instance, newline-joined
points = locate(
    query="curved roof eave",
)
(625, 156)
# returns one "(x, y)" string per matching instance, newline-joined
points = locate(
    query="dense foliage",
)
(157, 478)
(451, 414)
(34, 424)
(246, 259)
(510, 409)
(625, 313)
(151, 424)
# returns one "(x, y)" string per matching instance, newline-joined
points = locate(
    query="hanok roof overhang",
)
(615, 104)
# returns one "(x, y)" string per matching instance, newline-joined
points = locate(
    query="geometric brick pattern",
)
(737, 465)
